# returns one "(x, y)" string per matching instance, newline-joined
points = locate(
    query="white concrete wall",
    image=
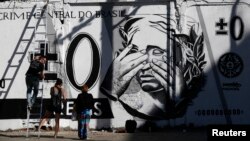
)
(78, 18)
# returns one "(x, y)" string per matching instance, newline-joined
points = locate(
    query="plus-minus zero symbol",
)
(221, 24)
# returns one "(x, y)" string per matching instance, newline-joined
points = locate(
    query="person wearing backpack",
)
(83, 106)
(58, 96)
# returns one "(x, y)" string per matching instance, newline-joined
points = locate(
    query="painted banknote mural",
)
(177, 62)
(166, 64)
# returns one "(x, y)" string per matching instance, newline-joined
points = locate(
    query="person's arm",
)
(92, 102)
(92, 105)
(64, 94)
(42, 75)
(74, 107)
(76, 104)
(51, 91)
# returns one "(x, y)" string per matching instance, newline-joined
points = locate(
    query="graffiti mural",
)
(166, 64)
(176, 62)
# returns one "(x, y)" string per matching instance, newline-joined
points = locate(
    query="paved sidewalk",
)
(171, 135)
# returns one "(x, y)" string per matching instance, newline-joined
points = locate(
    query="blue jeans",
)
(32, 83)
(83, 123)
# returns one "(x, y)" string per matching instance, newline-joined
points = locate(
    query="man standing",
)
(33, 76)
(83, 106)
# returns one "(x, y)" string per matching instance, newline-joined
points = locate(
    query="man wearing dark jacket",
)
(83, 106)
(33, 76)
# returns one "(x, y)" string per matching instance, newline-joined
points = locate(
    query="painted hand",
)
(170, 77)
(122, 70)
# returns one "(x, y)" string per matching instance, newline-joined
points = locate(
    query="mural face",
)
(164, 63)
(155, 46)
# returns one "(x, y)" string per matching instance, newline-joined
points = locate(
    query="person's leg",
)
(90, 114)
(57, 119)
(81, 126)
(87, 120)
(29, 90)
(35, 91)
(44, 119)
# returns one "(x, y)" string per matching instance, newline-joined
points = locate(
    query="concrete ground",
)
(168, 135)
